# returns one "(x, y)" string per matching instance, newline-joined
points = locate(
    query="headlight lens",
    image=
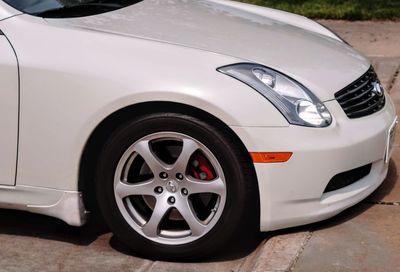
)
(299, 105)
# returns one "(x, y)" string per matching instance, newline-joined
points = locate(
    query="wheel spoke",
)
(170, 186)
(143, 149)
(144, 188)
(216, 186)
(185, 209)
(160, 210)
(188, 148)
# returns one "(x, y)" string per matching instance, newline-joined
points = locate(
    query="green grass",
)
(337, 9)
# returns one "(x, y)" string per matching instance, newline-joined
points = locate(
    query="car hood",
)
(321, 63)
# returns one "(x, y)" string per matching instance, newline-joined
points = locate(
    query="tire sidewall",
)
(234, 216)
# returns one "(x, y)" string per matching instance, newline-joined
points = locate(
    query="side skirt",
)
(65, 205)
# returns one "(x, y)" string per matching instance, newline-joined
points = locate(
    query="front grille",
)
(347, 178)
(360, 98)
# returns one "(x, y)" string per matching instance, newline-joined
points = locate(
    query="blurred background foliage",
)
(337, 9)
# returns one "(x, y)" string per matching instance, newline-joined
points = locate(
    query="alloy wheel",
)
(170, 188)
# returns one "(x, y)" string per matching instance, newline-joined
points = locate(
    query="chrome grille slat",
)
(360, 113)
(341, 97)
(359, 99)
(359, 104)
(368, 91)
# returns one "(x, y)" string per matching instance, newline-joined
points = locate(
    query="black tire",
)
(240, 218)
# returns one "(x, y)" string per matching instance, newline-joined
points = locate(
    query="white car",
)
(190, 124)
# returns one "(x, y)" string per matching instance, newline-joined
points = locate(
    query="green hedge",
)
(337, 9)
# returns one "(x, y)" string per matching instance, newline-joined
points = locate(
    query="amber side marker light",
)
(270, 157)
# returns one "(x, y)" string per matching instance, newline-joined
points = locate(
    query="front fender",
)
(281, 16)
(73, 81)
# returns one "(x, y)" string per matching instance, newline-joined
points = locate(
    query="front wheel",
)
(171, 186)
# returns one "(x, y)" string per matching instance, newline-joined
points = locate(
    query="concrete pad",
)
(228, 266)
(365, 238)
(100, 256)
(373, 38)
(30, 242)
(387, 70)
(33, 243)
(278, 253)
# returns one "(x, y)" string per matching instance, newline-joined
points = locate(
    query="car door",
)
(8, 111)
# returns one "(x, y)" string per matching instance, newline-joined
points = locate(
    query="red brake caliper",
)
(200, 168)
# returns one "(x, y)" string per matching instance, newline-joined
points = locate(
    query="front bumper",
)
(292, 193)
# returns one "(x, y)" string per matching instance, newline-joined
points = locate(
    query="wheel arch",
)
(104, 129)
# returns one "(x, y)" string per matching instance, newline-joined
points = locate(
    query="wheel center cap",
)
(172, 186)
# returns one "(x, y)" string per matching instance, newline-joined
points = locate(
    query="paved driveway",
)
(363, 238)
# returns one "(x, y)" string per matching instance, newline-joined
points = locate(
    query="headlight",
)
(299, 105)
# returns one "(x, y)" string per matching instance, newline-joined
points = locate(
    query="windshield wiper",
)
(83, 9)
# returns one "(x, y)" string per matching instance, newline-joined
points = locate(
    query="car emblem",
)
(378, 89)
(171, 186)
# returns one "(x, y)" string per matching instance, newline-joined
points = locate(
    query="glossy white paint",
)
(77, 72)
(213, 26)
(293, 192)
(8, 112)
(279, 16)
(101, 77)
(65, 205)
(6, 11)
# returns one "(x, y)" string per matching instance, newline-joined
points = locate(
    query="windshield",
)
(68, 8)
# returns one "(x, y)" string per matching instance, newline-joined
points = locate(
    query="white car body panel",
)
(65, 205)
(77, 72)
(6, 11)
(94, 91)
(281, 16)
(8, 112)
(288, 200)
(214, 27)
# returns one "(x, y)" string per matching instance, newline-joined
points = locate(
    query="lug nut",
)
(163, 175)
(171, 200)
(185, 191)
(179, 176)
(158, 190)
